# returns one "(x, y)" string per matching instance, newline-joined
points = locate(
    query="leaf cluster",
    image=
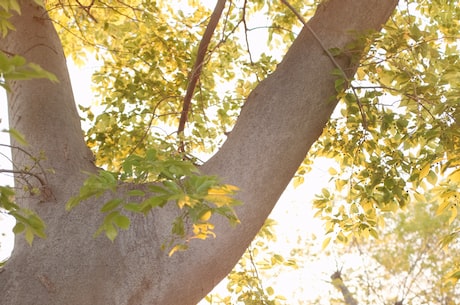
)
(16, 68)
(197, 196)
(247, 283)
(27, 221)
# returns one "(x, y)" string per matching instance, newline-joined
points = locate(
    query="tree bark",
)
(281, 119)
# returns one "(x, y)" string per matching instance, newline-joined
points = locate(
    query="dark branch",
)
(340, 285)
(196, 71)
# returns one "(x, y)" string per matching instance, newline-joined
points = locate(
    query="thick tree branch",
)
(43, 111)
(198, 66)
(336, 64)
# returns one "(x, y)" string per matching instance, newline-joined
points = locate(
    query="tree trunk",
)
(281, 119)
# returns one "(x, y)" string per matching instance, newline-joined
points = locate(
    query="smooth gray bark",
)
(281, 119)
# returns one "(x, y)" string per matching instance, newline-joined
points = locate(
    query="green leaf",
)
(136, 193)
(122, 222)
(110, 205)
(19, 137)
(132, 207)
(72, 202)
(19, 227)
(110, 231)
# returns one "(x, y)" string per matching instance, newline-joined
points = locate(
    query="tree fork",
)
(281, 119)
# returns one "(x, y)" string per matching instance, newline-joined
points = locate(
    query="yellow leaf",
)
(223, 190)
(364, 233)
(442, 207)
(339, 184)
(432, 177)
(185, 201)
(390, 207)
(419, 197)
(206, 216)
(176, 248)
(298, 180)
(454, 176)
(424, 171)
(332, 171)
(221, 196)
(367, 206)
(270, 291)
(360, 74)
(326, 243)
(453, 214)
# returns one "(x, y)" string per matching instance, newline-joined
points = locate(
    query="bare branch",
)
(23, 172)
(196, 71)
(340, 285)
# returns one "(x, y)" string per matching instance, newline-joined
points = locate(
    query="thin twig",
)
(146, 131)
(256, 272)
(32, 158)
(246, 32)
(23, 172)
(360, 106)
(196, 71)
(87, 9)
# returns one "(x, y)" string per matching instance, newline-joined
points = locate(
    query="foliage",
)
(394, 136)
(16, 68)
(27, 221)
(144, 77)
(405, 264)
(197, 196)
(141, 86)
(13, 66)
(246, 282)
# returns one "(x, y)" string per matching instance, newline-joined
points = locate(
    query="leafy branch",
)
(197, 196)
(27, 221)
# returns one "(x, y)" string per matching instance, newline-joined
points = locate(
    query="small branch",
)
(7, 52)
(256, 272)
(146, 131)
(246, 32)
(32, 158)
(87, 9)
(360, 106)
(22, 172)
(338, 283)
(196, 71)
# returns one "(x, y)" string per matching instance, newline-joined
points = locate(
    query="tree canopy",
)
(173, 80)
